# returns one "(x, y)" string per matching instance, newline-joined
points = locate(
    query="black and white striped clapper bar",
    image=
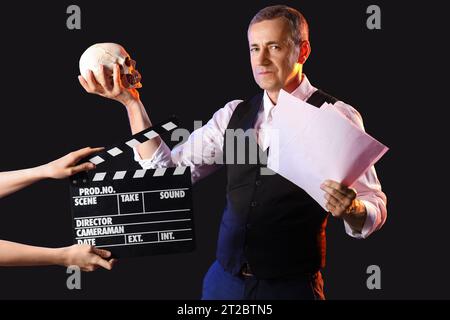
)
(134, 213)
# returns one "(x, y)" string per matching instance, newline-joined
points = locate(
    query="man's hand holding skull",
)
(108, 70)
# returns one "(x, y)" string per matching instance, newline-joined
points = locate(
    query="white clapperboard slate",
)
(134, 213)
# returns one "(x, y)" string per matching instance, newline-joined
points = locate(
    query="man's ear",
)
(305, 51)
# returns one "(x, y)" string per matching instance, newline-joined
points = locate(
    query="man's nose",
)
(263, 58)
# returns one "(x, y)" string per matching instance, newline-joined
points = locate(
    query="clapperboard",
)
(134, 213)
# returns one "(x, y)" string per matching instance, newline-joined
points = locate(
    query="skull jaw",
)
(135, 86)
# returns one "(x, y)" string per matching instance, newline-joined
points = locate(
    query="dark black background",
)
(194, 58)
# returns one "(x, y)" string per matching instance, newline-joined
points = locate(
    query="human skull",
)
(108, 54)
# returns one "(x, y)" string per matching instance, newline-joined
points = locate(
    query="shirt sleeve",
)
(368, 187)
(202, 151)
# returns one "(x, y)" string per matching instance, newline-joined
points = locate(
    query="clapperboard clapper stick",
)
(134, 213)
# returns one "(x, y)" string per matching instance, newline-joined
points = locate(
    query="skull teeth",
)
(133, 78)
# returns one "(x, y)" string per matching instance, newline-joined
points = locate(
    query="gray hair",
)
(297, 22)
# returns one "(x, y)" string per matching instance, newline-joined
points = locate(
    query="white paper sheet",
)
(310, 145)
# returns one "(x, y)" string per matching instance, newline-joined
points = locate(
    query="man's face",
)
(272, 53)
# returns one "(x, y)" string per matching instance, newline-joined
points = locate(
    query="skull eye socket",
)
(130, 62)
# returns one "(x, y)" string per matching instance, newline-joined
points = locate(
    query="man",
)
(272, 235)
(86, 257)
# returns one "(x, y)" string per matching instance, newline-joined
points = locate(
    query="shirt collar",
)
(303, 92)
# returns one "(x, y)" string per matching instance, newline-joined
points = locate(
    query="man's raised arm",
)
(112, 88)
(200, 151)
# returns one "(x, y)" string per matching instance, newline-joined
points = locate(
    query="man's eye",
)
(254, 49)
(275, 47)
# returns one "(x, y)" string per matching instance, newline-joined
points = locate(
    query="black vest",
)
(268, 221)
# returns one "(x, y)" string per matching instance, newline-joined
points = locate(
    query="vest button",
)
(258, 183)
(254, 203)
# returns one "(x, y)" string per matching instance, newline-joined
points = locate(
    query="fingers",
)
(101, 252)
(334, 205)
(116, 77)
(102, 263)
(94, 86)
(342, 193)
(83, 83)
(113, 262)
(333, 192)
(83, 153)
(99, 85)
(330, 208)
(86, 166)
(89, 258)
(338, 187)
(102, 79)
(67, 165)
(339, 197)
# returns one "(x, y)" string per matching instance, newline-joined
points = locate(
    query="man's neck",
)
(289, 87)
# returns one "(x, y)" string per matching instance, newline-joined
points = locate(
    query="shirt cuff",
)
(158, 159)
(368, 226)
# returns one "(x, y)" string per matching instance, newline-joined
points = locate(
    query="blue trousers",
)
(219, 284)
